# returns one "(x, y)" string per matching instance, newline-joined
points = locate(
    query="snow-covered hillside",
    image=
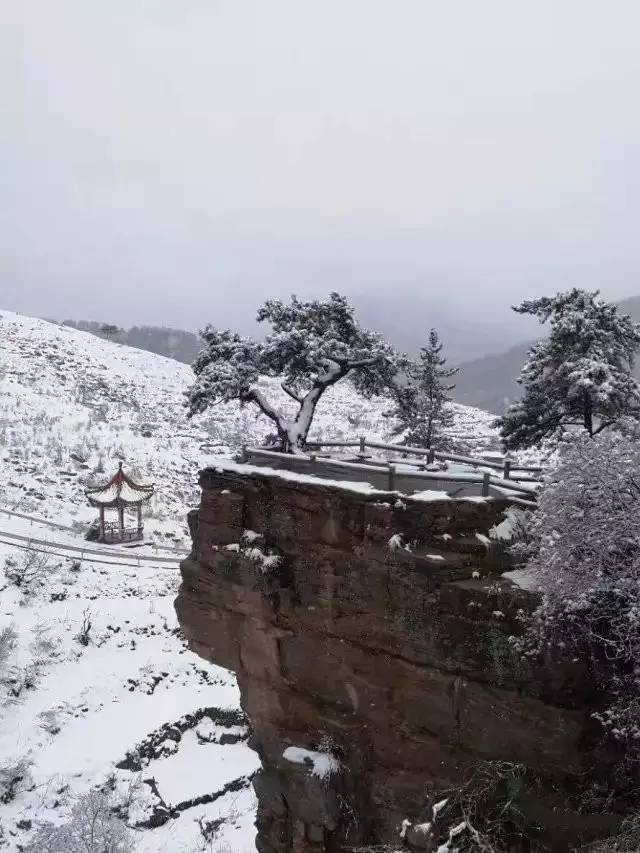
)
(72, 405)
(97, 689)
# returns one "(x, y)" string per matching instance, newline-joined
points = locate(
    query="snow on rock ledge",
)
(322, 764)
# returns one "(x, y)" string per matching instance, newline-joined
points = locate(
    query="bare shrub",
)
(209, 832)
(21, 678)
(627, 840)
(29, 570)
(84, 634)
(44, 648)
(482, 816)
(92, 828)
(8, 639)
(14, 777)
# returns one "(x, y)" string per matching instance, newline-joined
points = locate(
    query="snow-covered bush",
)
(588, 566)
(521, 537)
(92, 828)
(578, 377)
(312, 346)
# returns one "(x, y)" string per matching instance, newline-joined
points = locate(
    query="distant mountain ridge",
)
(490, 382)
(162, 340)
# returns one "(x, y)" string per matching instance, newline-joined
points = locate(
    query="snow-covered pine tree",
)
(312, 346)
(423, 406)
(577, 377)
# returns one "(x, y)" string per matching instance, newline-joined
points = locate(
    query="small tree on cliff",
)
(423, 406)
(312, 346)
(580, 376)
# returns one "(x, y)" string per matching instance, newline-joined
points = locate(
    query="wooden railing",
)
(392, 476)
(114, 533)
(509, 466)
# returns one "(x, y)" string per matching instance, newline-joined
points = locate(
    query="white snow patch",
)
(397, 543)
(430, 495)
(197, 769)
(250, 535)
(523, 578)
(323, 763)
(438, 808)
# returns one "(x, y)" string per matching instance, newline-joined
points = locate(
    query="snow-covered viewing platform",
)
(435, 476)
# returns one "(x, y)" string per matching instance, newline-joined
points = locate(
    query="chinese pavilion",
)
(121, 493)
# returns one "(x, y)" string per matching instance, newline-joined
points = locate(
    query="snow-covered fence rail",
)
(62, 549)
(389, 476)
(54, 525)
(509, 467)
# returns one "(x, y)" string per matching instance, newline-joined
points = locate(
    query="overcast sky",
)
(175, 162)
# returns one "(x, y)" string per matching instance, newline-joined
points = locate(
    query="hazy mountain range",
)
(488, 382)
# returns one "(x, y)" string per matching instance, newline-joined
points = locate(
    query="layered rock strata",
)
(370, 637)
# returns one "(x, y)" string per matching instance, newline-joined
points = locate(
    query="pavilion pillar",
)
(101, 523)
(139, 517)
(121, 519)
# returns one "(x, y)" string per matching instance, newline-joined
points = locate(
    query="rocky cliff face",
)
(374, 668)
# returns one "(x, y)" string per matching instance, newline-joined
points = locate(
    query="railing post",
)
(392, 477)
(485, 485)
(507, 468)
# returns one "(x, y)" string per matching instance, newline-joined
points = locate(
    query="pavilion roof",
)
(121, 489)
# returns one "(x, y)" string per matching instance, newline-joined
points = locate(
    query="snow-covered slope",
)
(72, 405)
(97, 689)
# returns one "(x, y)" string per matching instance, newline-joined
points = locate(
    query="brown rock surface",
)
(393, 659)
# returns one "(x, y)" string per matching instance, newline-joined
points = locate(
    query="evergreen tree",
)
(312, 346)
(423, 407)
(577, 377)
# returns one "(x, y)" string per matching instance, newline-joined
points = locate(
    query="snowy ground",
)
(76, 706)
(121, 705)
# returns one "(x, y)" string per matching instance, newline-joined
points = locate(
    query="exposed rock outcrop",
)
(362, 640)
